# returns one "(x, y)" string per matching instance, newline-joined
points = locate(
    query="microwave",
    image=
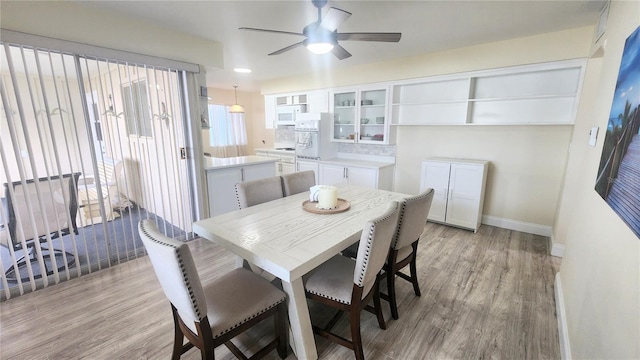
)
(286, 114)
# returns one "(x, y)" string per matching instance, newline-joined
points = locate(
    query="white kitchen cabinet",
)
(221, 184)
(305, 165)
(360, 116)
(333, 174)
(287, 168)
(270, 111)
(318, 101)
(459, 187)
(371, 177)
(286, 160)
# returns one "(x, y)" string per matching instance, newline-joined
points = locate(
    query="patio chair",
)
(38, 211)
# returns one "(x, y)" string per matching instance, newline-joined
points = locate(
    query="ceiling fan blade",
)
(334, 18)
(271, 31)
(384, 37)
(287, 48)
(340, 52)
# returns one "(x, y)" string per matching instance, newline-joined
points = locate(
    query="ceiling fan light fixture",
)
(320, 48)
(320, 42)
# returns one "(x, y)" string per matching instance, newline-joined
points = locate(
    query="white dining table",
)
(288, 241)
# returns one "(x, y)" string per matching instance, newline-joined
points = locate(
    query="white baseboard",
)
(563, 331)
(530, 228)
(556, 249)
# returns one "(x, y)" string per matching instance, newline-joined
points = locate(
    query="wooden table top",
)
(288, 241)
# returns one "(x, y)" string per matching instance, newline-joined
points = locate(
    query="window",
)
(136, 109)
(226, 129)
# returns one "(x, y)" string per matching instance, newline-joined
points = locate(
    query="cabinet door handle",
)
(242, 174)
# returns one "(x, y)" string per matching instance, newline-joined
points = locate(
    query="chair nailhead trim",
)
(238, 196)
(403, 207)
(249, 318)
(368, 249)
(328, 297)
(194, 304)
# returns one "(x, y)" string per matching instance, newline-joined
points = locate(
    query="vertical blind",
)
(88, 147)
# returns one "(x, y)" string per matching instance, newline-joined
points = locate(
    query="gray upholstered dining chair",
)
(256, 192)
(349, 285)
(404, 246)
(212, 314)
(298, 182)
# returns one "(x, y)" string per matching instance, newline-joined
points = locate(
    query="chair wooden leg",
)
(207, 354)
(178, 337)
(281, 321)
(391, 283)
(378, 306)
(356, 338)
(206, 340)
(414, 270)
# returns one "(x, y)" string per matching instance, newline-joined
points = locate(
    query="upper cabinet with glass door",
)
(373, 113)
(344, 116)
(360, 116)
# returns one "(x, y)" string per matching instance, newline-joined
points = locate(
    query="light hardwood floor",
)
(484, 295)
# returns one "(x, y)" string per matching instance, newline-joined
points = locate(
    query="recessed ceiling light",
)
(242, 70)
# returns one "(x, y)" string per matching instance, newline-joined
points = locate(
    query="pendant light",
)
(235, 108)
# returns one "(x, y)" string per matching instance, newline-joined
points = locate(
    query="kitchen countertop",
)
(278, 151)
(338, 160)
(213, 163)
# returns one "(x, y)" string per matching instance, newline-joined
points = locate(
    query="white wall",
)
(68, 21)
(562, 45)
(600, 273)
(527, 162)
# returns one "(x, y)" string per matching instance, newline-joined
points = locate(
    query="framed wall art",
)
(618, 180)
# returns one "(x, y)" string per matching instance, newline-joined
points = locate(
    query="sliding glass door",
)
(113, 131)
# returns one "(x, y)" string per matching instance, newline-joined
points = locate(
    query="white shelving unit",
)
(542, 94)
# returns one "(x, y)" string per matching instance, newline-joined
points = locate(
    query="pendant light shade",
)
(235, 108)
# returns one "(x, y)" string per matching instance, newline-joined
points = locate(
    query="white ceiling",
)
(426, 26)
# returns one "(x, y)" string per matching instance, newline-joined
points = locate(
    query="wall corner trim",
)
(563, 331)
(530, 228)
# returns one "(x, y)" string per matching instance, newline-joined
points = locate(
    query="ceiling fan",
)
(322, 36)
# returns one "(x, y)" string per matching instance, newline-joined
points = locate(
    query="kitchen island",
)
(224, 173)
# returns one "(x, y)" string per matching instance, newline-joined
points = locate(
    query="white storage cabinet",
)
(221, 184)
(459, 187)
(371, 177)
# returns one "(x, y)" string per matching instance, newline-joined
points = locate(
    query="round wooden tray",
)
(343, 205)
